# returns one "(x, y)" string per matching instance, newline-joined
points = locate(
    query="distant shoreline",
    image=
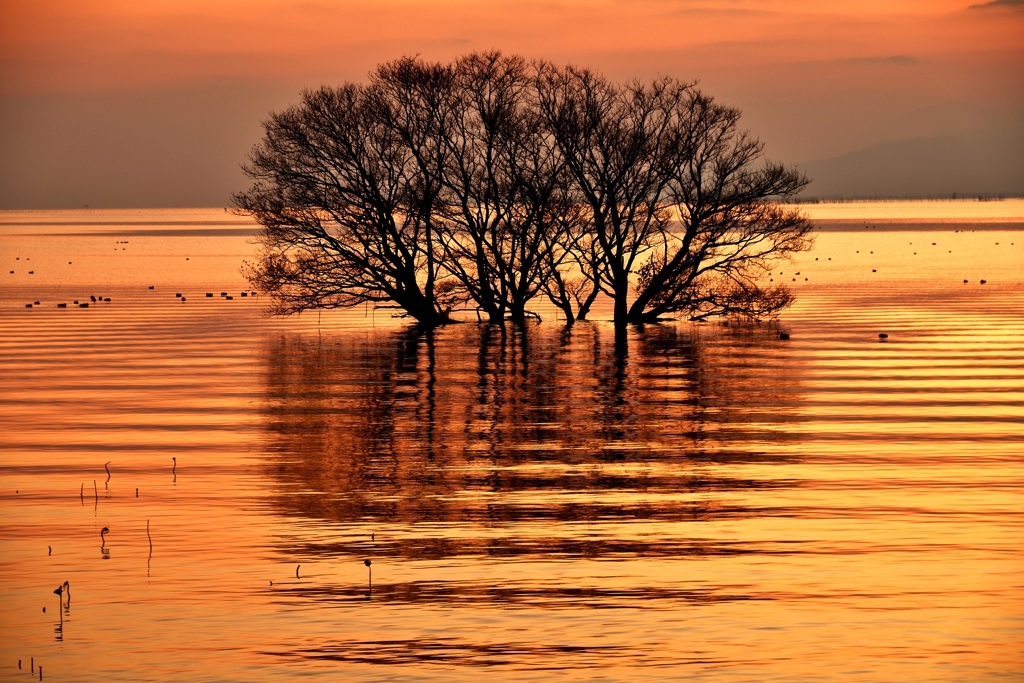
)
(892, 225)
(873, 200)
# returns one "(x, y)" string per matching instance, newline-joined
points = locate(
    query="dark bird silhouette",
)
(297, 570)
(370, 582)
(784, 335)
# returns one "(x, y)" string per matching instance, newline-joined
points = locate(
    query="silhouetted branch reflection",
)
(495, 425)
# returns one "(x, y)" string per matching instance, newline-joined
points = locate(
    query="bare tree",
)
(493, 181)
(505, 205)
(619, 144)
(730, 228)
(345, 185)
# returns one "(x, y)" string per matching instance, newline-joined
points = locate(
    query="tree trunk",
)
(621, 312)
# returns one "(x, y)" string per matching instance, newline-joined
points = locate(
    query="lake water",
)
(701, 501)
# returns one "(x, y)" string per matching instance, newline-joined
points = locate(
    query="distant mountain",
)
(985, 161)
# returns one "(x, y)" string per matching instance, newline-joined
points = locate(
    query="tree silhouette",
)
(492, 181)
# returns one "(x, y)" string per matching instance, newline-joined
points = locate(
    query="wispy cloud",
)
(894, 59)
(999, 3)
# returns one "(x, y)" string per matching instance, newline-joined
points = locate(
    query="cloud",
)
(999, 3)
(894, 59)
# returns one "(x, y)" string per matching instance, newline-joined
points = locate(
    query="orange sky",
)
(100, 45)
(814, 79)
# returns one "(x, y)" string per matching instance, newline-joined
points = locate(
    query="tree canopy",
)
(492, 181)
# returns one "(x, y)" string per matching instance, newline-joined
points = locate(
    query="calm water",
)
(700, 501)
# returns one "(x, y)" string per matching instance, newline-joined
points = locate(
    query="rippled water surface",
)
(700, 501)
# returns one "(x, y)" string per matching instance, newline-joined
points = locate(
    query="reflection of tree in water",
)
(404, 427)
(491, 425)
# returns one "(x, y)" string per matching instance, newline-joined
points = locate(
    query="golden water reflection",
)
(524, 437)
(694, 500)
